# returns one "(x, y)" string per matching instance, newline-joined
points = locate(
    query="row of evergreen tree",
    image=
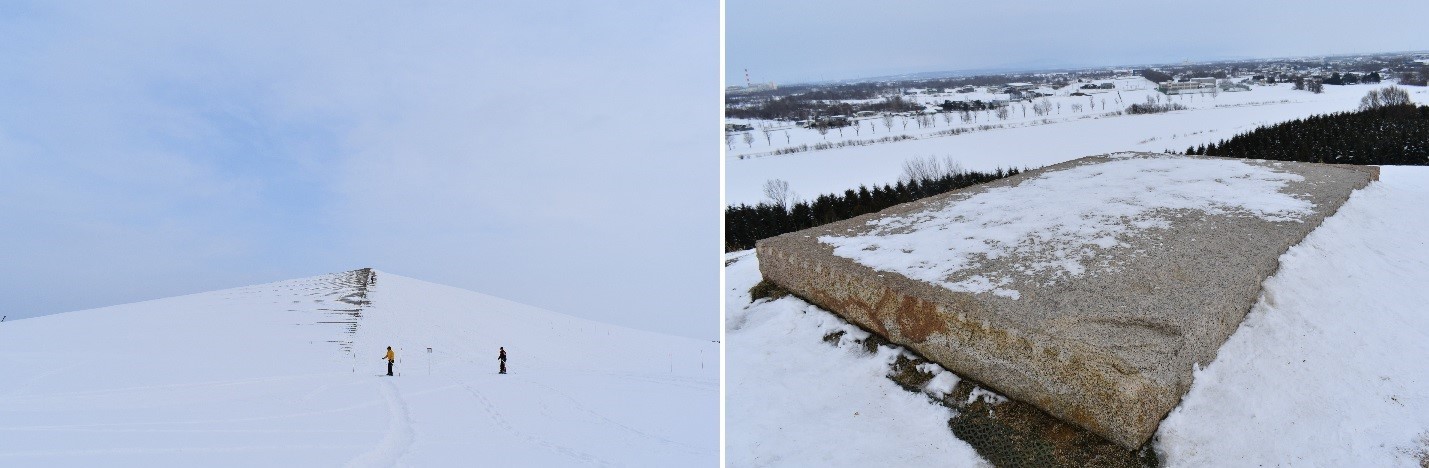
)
(745, 224)
(1391, 135)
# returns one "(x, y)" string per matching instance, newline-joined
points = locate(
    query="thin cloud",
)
(556, 155)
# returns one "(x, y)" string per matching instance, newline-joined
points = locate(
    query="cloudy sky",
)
(812, 40)
(559, 154)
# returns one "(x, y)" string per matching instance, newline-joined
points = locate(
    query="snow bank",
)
(792, 400)
(1328, 368)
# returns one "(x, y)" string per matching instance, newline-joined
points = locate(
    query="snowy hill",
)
(290, 374)
(1326, 370)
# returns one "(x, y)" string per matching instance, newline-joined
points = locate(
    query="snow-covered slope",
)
(792, 400)
(1327, 369)
(290, 374)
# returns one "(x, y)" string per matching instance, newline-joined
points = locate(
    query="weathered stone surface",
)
(1111, 348)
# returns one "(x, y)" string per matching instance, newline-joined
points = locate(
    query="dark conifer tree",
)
(745, 225)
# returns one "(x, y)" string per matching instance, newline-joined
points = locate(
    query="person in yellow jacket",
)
(390, 358)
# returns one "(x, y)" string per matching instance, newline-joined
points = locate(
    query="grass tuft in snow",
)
(1420, 451)
(767, 290)
(907, 374)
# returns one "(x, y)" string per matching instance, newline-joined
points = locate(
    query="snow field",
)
(247, 376)
(793, 400)
(1026, 141)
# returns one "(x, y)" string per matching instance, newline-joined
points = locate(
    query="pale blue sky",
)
(813, 40)
(559, 154)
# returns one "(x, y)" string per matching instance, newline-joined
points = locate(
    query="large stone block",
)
(1090, 288)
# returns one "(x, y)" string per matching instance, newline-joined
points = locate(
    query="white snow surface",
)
(1021, 141)
(1326, 370)
(1062, 219)
(247, 377)
(793, 400)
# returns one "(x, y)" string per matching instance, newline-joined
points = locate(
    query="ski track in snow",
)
(167, 450)
(27, 383)
(677, 381)
(399, 436)
(201, 421)
(636, 432)
(192, 385)
(501, 421)
(342, 409)
(673, 381)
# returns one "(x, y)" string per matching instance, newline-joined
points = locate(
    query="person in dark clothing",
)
(502, 358)
(390, 358)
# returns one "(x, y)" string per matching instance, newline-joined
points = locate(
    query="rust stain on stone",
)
(918, 319)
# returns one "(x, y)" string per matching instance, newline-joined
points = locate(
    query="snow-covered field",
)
(792, 400)
(1023, 141)
(261, 376)
(1327, 369)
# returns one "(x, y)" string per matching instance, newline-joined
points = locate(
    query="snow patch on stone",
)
(1063, 219)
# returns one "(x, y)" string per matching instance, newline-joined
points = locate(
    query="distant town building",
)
(832, 122)
(1183, 87)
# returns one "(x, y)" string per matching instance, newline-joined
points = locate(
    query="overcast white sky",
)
(812, 40)
(559, 154)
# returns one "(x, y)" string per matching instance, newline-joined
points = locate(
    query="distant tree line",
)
(1395, 134)
(1153, 106)
(801, 108)
(969, 106)
(745, 224)
(1351, 78)
(1415, 77)
(1155, 76)
(826, 145)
